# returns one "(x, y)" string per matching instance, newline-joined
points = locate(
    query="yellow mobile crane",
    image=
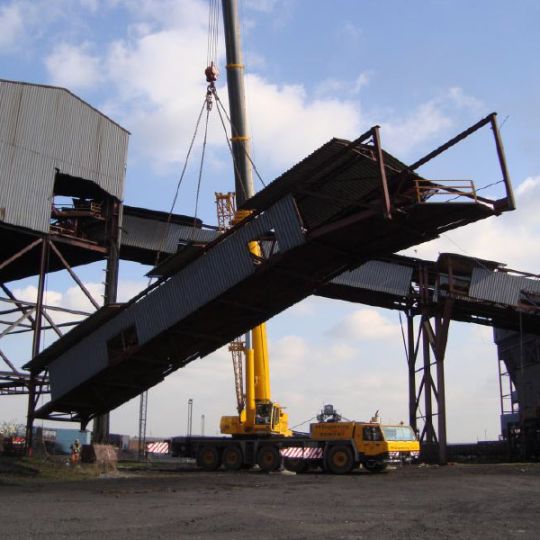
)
(257, 414)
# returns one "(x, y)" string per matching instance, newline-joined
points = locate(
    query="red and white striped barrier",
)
(302, 453)
(160, 447)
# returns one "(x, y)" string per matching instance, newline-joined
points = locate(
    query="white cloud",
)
(11, 23)
(340, 87)
(285, 119)
(422, 125)
(265, 6)
(73, 66)
(156, 87)
(365, 324)
(25, 22)
(361, 81)
(403, 134)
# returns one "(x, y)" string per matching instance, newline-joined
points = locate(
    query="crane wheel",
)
(374, 466)
(296, 465)
(208, 458)
(269, 458)
(232, 458)
(339, 459)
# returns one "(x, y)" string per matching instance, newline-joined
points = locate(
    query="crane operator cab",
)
(269, 419)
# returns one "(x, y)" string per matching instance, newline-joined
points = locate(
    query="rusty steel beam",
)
(510, 201)
(90, 246)
(74, 275)
(451, 142)
(47, 307)
(27, 329)
(10, 364)
(20, 253)
(412, 352)
(387, 204)
(36, 345)
(15, 323)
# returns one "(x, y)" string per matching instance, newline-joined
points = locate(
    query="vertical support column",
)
(411, 360)
(101, 427)
(429, 430)
(442, 325)
(441, 412)
(143, 411)
(36, 344)
(511, 203)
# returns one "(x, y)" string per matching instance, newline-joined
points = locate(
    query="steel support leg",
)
(36, 344)
(101, 427)
(411, 361)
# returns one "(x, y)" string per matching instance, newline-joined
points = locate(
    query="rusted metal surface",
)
(142, 237)
(501, 287)
(379, 276)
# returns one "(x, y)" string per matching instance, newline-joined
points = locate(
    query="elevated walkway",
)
(346, 203)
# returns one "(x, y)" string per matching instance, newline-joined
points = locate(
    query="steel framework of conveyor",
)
(346, 203)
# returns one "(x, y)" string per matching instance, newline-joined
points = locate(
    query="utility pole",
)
(190, 416)
(243, 174)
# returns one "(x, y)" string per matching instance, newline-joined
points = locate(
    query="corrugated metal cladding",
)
(378, 276)
(499, 287)
(45, 128)
(224, 266)
(155, 235)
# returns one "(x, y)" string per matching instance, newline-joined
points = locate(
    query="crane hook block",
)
(212, 73)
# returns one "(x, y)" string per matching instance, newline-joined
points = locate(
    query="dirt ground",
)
(456, 501)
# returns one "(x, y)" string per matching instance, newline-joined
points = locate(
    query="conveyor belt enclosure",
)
(482, 292)
(344, 204)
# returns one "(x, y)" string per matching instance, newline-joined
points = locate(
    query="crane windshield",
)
(398, 433)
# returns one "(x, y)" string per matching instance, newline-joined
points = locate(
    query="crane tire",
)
(269, 458)
(339, 459)
(232, 458)
(374, 466)
(208, 458)
(296, 465)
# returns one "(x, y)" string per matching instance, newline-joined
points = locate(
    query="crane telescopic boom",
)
(260, 414)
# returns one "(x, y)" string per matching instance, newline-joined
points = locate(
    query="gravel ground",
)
(456, 501)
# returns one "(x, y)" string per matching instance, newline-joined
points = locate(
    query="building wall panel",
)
(44, 129)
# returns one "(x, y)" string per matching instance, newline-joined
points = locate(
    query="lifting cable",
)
(208, 108)
(234, 130)
(304, 422)
(213, 32)
(212, 74)
(178, 185)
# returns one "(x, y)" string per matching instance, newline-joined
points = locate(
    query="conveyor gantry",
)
(481, 292)
(344, 204)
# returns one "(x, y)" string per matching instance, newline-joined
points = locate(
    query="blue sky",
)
(315, 69)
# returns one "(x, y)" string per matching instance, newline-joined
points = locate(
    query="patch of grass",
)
(55, 468)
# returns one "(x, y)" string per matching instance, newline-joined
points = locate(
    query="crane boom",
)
(260, 414)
